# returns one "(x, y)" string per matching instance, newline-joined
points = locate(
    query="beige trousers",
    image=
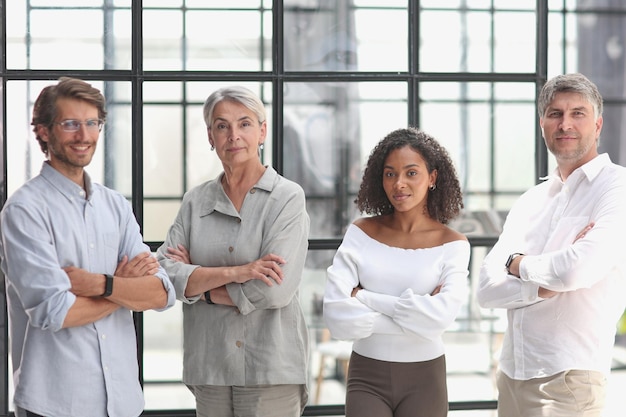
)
(254, 401)
(571, 393)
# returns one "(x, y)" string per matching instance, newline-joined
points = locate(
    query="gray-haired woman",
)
(235, 254)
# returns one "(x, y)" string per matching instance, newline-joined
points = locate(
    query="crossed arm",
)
(135, 287)
(514, 268)
(266, 269)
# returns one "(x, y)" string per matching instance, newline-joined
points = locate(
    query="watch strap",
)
(207, 297)
(108, 285)
(510, 260)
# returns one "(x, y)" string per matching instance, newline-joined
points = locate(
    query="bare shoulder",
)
(451, 235)
(367, 223)
(372, 226)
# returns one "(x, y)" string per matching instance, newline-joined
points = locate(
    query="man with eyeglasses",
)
(76, 267)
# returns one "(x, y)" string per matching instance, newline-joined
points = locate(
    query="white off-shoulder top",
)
(394, 318)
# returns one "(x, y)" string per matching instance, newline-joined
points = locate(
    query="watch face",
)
(510, 260)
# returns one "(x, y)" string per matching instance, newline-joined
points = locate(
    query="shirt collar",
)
(217, 200)
(590, 170)
(67, 187)
(267, 180)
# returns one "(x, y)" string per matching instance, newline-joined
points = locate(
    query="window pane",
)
(443, 50)
(81, 38)
(514, 36)
(335, 36)
(515, 146)
(212, 44)
(163, 361)
(482, 41)
(162, 48)
(204, 39)
(162, 163)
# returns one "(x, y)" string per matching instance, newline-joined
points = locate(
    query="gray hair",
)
(237, 94)
(570, 83)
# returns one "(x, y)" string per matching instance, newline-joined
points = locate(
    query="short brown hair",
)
(45, 109)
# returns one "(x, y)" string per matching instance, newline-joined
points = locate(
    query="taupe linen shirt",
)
(264, 339)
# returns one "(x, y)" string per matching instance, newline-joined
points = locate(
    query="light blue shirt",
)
(89, 370)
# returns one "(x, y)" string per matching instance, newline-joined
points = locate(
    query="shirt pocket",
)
(110, 247)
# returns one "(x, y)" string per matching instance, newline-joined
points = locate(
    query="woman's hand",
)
(436, 290)
(267, 269)
(355, 290)
(179, 254)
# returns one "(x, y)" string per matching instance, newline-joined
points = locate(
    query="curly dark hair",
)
(444, 203)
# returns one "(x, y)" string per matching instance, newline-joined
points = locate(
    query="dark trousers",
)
(396, 389)
(29, 414)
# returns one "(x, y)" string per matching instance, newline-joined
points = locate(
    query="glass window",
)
(339, 36)
(201, 37)
(68, 35)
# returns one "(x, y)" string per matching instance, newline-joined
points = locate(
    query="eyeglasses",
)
(71, 125)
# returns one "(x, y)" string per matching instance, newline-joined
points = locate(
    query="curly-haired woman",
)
(399, 278)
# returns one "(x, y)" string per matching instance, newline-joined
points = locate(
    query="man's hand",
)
(85, 283)
(141, 265)
(545, 293)
(583, 232)
(90, 284)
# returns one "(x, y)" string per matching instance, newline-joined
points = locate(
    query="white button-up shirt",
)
(576, 328)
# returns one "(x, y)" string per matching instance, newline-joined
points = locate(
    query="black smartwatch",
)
(510, 260)
(207, 297)
(108, 285)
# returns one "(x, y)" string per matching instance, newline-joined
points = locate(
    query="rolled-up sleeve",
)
(286, 232)
(30, 260)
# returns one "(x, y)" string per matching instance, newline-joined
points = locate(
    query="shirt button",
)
(252, 191)
(230, 249)
(239, 344)
(104, 336)
(238, 220)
